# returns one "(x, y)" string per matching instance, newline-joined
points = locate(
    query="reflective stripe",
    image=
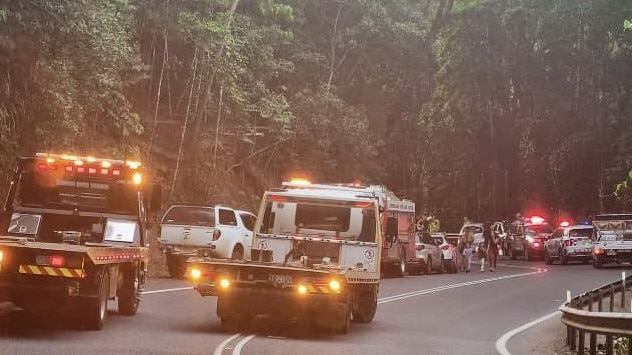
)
(52, 271)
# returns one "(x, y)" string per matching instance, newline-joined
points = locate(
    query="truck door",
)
(248, 222)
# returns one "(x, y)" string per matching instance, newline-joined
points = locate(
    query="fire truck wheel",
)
(96, 308)
(129, 295)
(365, 305)
(175, 266)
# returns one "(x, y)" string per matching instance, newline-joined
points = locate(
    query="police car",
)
(569, 243)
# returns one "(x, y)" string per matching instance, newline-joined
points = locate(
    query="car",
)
(527, 238)
(186, 230)
(433, 253)
(569, 243)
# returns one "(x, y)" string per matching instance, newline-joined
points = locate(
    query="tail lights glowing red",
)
(565, 224)
(68, 168)
(57, 260)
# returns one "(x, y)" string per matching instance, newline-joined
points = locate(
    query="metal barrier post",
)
(623, 289)
(593, 343)
(609, 345)
(581, 342)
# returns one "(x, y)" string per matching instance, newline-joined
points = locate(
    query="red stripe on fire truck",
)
(52, 271)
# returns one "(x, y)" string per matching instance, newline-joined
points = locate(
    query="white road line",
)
(241, 344)
(220, 348)
(167, 290)
(501, 343)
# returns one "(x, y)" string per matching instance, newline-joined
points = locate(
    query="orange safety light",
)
(300, 181)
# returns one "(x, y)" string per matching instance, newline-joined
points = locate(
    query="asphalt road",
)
(428, 314)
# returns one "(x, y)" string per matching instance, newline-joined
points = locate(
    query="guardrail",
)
(581, 318)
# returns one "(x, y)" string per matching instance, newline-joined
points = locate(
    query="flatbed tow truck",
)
(315, 258)
(74, 236)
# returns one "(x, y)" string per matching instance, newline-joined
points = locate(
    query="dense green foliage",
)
(469, 107)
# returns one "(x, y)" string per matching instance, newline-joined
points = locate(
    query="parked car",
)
(434, 253)
(569, 243)
(185, 230)
(527, 238)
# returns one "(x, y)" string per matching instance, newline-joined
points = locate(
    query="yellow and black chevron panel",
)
(52, 271)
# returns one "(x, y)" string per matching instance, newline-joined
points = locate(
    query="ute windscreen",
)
(52, 189)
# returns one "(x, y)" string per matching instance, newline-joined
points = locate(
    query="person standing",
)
(492, 249)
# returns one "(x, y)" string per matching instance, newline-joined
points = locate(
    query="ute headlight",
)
(334, 285)
(195, 274)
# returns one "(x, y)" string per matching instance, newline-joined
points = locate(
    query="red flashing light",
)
(81, 169)
(537, 220)
(41, 166)
(565, 224)
(57, 260)
(116, 172)
(92, 170)
(536, 245)
(104, 171)
(68, 168)
(53, 167)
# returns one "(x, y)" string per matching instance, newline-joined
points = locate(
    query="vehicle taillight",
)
(568, 242)
(216, 234)
(536, 244)
(420, 247)
(57, 260)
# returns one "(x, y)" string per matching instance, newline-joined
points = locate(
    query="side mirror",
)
(155, 203)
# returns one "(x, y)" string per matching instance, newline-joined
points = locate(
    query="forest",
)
(479, 108)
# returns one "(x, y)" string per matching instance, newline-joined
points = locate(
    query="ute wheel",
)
(129, 294)
(96, 308)
(238, 253)
(175, 267)
(365, 305)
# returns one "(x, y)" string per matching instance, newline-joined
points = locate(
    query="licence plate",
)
(280, 279)
(611, 252)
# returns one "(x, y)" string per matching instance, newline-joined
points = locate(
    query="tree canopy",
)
(469, 107)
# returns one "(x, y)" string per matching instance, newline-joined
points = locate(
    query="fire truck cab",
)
(75, 236)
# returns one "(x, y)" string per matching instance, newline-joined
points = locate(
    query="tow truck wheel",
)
(365, 305)
(232, 317)
(343, 323)
(96, 308)
(129, 296)
(175, 267)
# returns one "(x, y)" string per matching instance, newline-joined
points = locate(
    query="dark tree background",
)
(471, 107)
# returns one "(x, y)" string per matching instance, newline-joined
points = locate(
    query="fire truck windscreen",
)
(60, 190)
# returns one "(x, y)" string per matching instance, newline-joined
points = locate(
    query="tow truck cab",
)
(76, 235)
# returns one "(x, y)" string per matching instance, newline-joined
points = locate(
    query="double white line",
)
(237, 349)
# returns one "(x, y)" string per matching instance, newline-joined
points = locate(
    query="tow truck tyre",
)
(231, 317)
(343, 321)
(365, 305)
(175, 266)
(96, 308)
(129, 295)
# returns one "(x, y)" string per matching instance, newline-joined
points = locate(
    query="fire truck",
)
(315, 258)
(74, 236)
(398, 249)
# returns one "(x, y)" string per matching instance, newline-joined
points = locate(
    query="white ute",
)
(219, 231)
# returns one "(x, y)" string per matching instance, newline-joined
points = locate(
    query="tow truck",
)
(315, 259)
(76, 236)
